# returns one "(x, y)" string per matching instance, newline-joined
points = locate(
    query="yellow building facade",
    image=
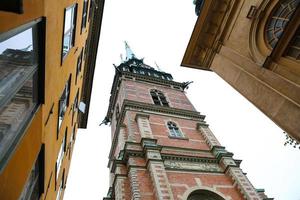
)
(47, 57)
(255, 47)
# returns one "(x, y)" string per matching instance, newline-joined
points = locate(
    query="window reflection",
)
(69, 29)
(18, 85)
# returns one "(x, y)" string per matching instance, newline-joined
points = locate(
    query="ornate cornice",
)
(146, 107)
(134, 149)
(123, 75)
(208, 33)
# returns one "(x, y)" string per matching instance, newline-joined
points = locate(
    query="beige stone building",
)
(255, 47)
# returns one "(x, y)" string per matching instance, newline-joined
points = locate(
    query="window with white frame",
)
(63, 103)
(174, 130)
(69, 29)
(60, 155)
(19, 82)
(61, 187)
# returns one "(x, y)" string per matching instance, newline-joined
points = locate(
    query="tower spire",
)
(129, 53)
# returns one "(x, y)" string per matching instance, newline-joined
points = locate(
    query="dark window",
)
(15, 6)
(34, 185)
(278, 20)
(174, 130)
(159, 98)
(91, 10)
(79, 64)
(85, 49)
(117, 112)
(84, 14)
(64, 103)
(20, 82)
(75, 105)
(293, 50)
(69, 29)
(204, 195)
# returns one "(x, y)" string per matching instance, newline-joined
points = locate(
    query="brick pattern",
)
(161, 167)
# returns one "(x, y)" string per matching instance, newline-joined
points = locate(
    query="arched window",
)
(204, 195)
(159, 98)
(174, 130)
(278, 20)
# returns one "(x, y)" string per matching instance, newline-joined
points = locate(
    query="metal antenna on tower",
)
(158, 68)
(129, 53)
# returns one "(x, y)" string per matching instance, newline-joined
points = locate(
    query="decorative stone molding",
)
(135, 191)
(192, 189)
(160, 180)
(153, 155)
(119, 189)
(206, 167)
(209, 137)
(243, 184)
(144, 125)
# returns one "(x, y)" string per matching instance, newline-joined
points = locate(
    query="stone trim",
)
(134, 183)
(243, 184)
(144, 125)
(160, 180)
(138, 106)
(209, 137)
(192, 189)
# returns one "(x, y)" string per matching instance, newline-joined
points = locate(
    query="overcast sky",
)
(159, 31)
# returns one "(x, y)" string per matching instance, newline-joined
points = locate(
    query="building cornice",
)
(208, 33)
(90, 63)
(144, 108)
(123, 76)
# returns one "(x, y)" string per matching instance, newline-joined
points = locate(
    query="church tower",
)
(161, 146)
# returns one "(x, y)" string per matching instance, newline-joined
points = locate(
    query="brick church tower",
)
(161, 146)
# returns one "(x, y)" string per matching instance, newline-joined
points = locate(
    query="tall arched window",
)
(204, 195)
(174, 130)
(278, 20)
(159, 98)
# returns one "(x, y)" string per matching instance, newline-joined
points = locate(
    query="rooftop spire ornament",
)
(129, 52)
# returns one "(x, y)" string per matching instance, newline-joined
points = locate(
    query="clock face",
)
(278, 20)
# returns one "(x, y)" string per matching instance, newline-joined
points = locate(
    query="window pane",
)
(69, 29)
(15, 113)
(68, 19)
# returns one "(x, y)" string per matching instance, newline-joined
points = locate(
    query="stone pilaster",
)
(144, 125)
(134, 182)
(209, 137)
(157, 170)
(121, 137)
(243, 184)
(135, 191)
(120, 188)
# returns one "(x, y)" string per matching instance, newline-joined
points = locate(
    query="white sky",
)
(159, 31)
